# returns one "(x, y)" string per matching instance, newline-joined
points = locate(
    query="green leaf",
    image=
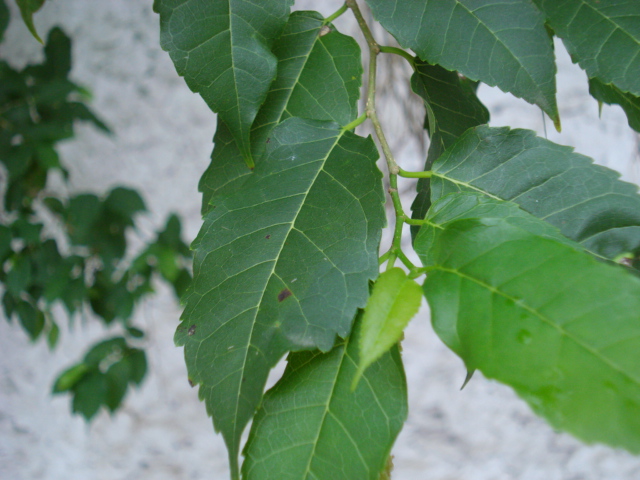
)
(452, 108)
(90, 393)
(319, 77)
(226, 172)
(602, 36)
(612, 95)
(587, 202)
(118, 376)
(19, 277)
(53, 335)
(70, 377)
(138, 362)
(394, 301)
(27, 9)
(311, 425)
(282, 264)
(124, 203)
(555, 324)
(4, 19)
(223, 50)
(31, 319)
(502, 43)
(5, 242)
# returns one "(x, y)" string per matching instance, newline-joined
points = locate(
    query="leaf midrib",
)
(275, 263)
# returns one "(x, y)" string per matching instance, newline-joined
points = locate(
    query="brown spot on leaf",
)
(269, 140)
(191, 383)
(284, 294)
(192, 330)
(268, 237)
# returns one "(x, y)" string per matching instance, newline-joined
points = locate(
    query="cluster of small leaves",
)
(519, 237)
(72, 250)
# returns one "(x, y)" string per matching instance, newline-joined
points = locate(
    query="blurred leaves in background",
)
(72, 251)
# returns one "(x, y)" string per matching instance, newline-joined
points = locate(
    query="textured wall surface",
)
(161, 146)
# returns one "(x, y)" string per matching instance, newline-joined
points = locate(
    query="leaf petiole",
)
(335, 15)
(403, 53)
(355, 123)
(406, 174)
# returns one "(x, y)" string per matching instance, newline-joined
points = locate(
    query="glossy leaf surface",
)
(602, 36)
(612, 95)
(394, 301)
(587, 202)
(452, 108)
(223, 51)
(319, 77)
(311, 425)
(281, 264)
(560, 327)
(502, 43)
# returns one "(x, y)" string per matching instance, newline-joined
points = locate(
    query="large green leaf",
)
(587, 202)
(502, 43)
(281, 264)
(319, 77)
(612, 95)
(603, 36)
(312, 426)
(452, 108)
(558, 326)
(223, 50)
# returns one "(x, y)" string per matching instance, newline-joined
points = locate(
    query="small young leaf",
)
(27, 9)
(612, 95)
(70, 377)
(312, 426)
(394, 301)
(542, 316)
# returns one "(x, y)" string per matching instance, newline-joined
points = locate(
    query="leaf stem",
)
(406, 174)
(403, 53)
(335, 15)
(394, 169)
(350, 126)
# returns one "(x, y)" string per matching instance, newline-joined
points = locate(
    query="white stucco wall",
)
(161, 146)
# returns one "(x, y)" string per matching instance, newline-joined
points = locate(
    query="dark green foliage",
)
(103, 376)
(84, 263)
(288, 250)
